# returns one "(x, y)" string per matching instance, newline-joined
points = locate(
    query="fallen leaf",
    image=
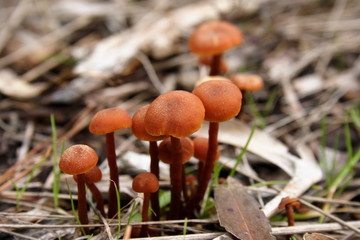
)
(240, 214)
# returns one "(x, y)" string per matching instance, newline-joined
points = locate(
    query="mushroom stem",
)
(175, 178)
(215, 65)
(207, 170)
(154, 168)
(290, 215)
(114, 175)
(82, 207)
(144, 214)
(200, 169)
(98, 197)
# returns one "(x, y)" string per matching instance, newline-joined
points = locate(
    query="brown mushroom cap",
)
(221, 99)
(109, 120)
(138, 126)
(201, 146)
(248, 82)
(78, 159)
(176, 113)
(289, 201)
(165, 150)
(92, 176)
(145, 183)
(214, 37)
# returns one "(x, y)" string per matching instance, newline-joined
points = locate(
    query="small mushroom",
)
(288, 203)
(222, 101)
(201, 146)
(107, 121)
(77, 160)
(176, 114)
(145, 183)
(138, 129)
(212, 39)
(247, 82)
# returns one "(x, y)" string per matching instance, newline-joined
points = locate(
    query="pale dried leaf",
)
(239, 214)
(12, 86)
(304, 171)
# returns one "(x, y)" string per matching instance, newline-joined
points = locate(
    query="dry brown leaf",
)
(240, 214)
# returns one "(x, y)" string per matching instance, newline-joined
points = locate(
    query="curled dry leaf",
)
(304, 171)
(14, 87)
(240, 214)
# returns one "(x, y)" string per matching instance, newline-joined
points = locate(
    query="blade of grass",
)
(56, 170)
(118, 210)
(239, 158)
(259, 119)
(185, 227)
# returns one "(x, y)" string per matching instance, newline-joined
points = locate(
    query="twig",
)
(106, 225)
(22, 236)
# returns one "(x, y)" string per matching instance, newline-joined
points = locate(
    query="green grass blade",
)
(239, 158)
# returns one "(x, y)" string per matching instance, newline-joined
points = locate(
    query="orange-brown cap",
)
(221, 99)
(138, 126)
(165, 150)
(175, 113)
(289, 201)
(201, 146)
(78, 159)
(248, 82)
(92, 176)
(214, 37)
(207, 60)
(109, 120)
(145, 183)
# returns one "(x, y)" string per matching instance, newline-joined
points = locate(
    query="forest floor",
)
(62, 61)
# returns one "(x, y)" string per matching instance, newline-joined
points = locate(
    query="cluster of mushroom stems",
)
(172, 118)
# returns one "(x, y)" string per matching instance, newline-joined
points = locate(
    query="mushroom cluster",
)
(172, 118)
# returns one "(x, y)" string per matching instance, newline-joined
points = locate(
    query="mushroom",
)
(212, 39)
(177, 114)
(247, 82)
(145, 183)
(207, 61)
(201, 146)
(288, 203)
(77, 160)
(93, 176)
(107, 121)
(187, 151)
(222, 101)
(138, 129)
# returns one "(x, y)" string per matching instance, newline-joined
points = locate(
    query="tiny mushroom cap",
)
(78, 159)
(248, 82)
(214, 37)
(289, 201)
(92, 176)
(165, 150)
(201, 146)
(109, 120)
(221, 99)
(138, 126)
(145, 183)
(175, 113)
